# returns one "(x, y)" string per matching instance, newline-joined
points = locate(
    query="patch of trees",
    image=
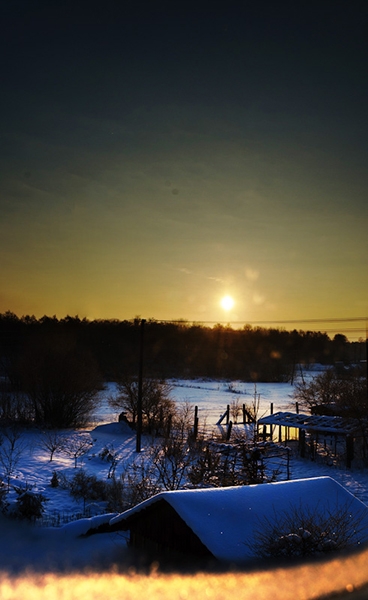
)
(157, 406)
(49, 378)
(172, 349)
(340, 392)
(335, 392)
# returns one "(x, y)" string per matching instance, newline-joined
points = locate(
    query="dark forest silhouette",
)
(172, 349)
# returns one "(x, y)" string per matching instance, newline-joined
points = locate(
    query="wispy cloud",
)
(251, 274)
(217, 279)
(258, 299)
(185, 270)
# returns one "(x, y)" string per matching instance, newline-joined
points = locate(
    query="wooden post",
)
(302, 442)
(140, 386)
(288, 463)
(349, 450)
(271, 408)
(195, 428)
(297, 407)
(228, 433)
(244, 415)
(227, 414)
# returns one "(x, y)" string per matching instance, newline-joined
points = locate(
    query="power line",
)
(270, 321)
(358, 331)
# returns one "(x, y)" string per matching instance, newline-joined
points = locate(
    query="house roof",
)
(331, 424)
(224, 519)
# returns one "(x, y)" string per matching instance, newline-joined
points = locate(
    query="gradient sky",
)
(156, 157)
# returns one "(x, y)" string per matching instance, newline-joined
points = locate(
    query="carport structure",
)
(310, 430)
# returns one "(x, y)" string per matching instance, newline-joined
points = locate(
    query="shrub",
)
(110, 455)
(116, 496)
(87, 487)
(54, 480)
(30, 505)
(302, 532)
(139, 482)
(60, 380)
(3, 493)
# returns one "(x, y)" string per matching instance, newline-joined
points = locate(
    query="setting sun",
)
(227, 303)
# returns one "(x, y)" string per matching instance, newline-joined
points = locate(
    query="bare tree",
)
(112, 456)
(14, 406)
(52, 441)
(337, 392)
(235, 409)
(157, 406)
(10, 452)
(77, 445)
(171, 459)
(173, 456)
(321, 390)
(138, 482)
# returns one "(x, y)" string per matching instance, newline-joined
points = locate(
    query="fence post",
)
(302, 443)
(195, 428)
(140, 385)
(349, 450)
(228, 433)
(227, 414)
(288, 463)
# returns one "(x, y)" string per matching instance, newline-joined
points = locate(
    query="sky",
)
(156, 157)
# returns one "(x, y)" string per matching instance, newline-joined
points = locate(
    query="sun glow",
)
(318, 579)
(227, 303)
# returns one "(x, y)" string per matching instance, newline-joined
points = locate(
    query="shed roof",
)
(331, 424)
(224, 519)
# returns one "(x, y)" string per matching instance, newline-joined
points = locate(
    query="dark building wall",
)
(160, 529)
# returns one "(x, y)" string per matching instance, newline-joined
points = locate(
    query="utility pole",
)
(140, 386)
(366, 354)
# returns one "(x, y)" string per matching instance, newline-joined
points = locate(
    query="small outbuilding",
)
(220, 523)
(332, 431)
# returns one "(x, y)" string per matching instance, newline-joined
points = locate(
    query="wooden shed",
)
(220, 522)
(330, 430)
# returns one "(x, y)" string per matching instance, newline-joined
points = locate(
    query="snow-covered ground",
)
(55, 549)
(212, 397)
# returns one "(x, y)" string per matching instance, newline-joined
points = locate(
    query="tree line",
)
(111, 348)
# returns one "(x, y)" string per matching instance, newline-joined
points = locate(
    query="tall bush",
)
(61, 382)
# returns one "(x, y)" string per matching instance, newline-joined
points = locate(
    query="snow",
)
(49, 548)
(212, 397)
(224, 519)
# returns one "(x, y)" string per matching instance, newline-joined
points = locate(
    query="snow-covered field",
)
(35, 468)
(59, 549)
(212, 397)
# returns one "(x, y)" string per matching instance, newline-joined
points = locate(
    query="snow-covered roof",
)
(331, 424)
(225, 518)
